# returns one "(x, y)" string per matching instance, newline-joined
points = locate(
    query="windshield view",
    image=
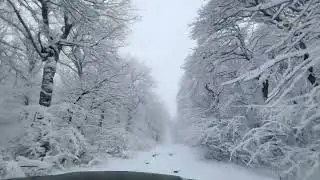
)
(160, 89)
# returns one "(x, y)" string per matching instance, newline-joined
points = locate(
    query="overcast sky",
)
(161, 40)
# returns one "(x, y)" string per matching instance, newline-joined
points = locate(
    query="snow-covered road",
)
(179, 160)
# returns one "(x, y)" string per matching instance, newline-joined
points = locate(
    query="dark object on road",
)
(170, 154)
(108, 175)
(154, 155)
(176, 171)
(147, 163)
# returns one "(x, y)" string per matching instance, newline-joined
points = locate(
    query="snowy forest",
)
(249, 94)
(67, 96)
(250, 90)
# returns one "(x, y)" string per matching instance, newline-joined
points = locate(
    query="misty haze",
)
(160, 89)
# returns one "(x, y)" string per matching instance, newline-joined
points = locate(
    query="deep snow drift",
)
(178, 160)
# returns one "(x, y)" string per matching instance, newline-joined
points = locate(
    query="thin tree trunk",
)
(265, 89)
(49, 71)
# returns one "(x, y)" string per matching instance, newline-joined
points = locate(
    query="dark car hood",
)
(105, 175)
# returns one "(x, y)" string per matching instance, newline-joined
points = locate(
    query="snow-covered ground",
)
(179, 160)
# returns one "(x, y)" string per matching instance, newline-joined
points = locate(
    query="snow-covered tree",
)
(103, 104)
(248, 84)
(51, 26)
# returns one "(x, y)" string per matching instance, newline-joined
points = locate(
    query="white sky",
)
(161, 40)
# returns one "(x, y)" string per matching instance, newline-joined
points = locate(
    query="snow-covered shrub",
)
(45, 145)
(107, 139)
(288, 141)
(66, 135)
(10, 169)
(221, 136)
(107, 136)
